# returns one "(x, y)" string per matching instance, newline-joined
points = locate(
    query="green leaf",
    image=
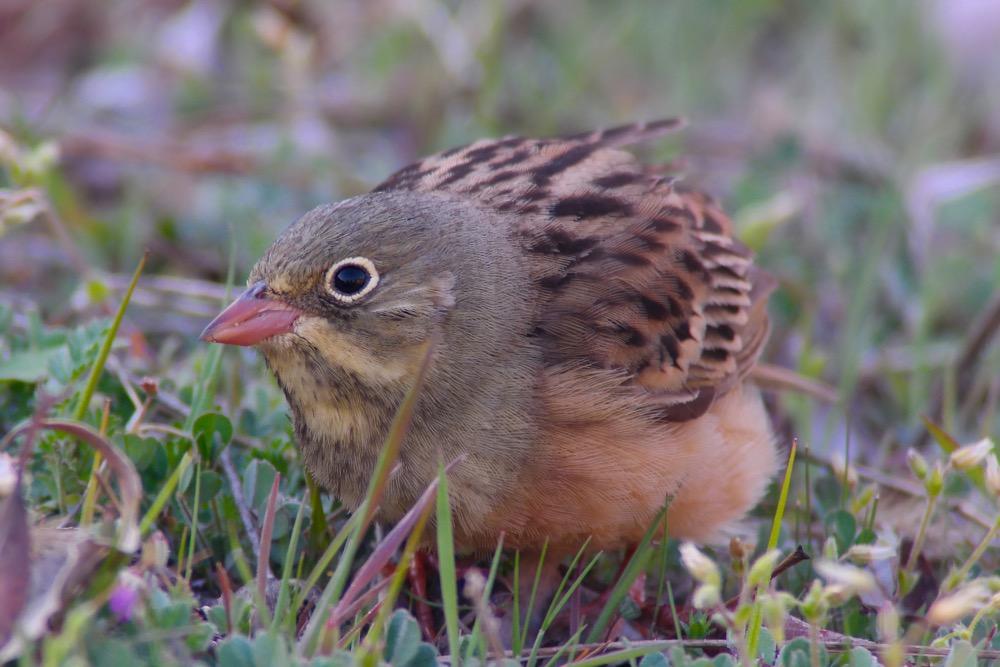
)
(843, 527)
(403, 647)
(28, 365)
(200, 637)
(723, 660)
(141, 450)
(795, 658)
(796, 654)
(270, 650)
(962, 654)
(235, 651)
(654, 660)
(766, 646)
(211, 484)
(257, 480)
(857, 623)
(114, 653)
(426, 657)
(212, 432)
(402, 638)
(216, 615)
(339, 658)
(826, 491)
(861, 657)
(171, 615)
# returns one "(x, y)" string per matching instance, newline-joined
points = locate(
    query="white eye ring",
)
(350, 298)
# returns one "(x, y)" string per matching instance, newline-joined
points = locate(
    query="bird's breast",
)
(340, 418)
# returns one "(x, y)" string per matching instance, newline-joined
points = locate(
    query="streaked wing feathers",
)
(640, 274)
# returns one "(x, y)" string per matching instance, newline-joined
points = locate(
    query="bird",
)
(596, 322)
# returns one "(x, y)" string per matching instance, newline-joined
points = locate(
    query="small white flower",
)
(155, 551)
(993, 475)
(706, 597)
(830, 551)
(917, 463)
(935, 480)
(958, 605)
(844, 471)
(970, 456)
(475, 584)
(774, 609)
(862, 554)
(700, 566)
(763, 567)
(888, 622)
(846, 579)
(8, 475)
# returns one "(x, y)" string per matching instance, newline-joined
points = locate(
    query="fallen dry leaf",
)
(15, 561)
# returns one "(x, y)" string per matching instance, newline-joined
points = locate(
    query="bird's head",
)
(359, 285)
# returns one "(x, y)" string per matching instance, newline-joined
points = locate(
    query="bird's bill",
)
(252, 318)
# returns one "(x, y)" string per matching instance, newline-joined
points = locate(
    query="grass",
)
(189, 530)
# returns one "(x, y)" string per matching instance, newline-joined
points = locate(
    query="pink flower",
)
(123, 600)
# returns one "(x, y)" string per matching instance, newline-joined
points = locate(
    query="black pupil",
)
(350, 279)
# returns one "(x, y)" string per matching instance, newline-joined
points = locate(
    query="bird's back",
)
(635, 272)
(649, 315)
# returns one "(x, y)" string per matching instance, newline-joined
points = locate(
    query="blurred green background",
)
(856, 142)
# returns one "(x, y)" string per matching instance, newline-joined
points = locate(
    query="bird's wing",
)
(640, 274)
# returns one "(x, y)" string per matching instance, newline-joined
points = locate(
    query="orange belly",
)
(603, 470)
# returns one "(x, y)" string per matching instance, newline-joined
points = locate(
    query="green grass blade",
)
(286, 572)
(398, 576)
(164, 495)
(446, 562)
(661, 581)
(568, 647)
(779, 512)
(109, 339)
(204, 389)
(756, 618)
(478, 639)
(625, 655)
(266, 530)
(636, 565)
(194, 521)
(560, 599)
(522, 640)
(516, 641)
(328, 554)
(318, 526)
(90, 495)
(239, 559)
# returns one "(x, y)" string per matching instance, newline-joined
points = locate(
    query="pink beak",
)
(250, 319)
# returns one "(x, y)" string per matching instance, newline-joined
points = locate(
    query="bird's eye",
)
(351, 279)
